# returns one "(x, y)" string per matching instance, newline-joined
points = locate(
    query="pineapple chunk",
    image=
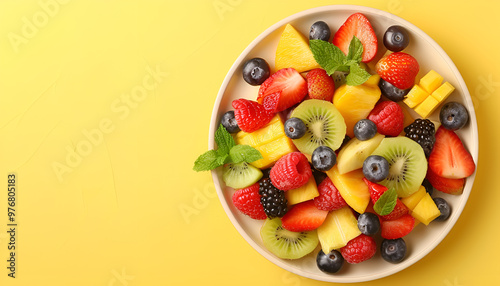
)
(426, 210)
(351, 187)
(354, 153)
(293, 51)
(412, 200)
(425, 108)
(430, 81)
(442, 92)
(415, 96)
(305, 193)
(339, 227)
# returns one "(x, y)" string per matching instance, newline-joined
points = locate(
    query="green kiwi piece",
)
(407, 164)
(240, 175)
(325, 125)
(287, 244)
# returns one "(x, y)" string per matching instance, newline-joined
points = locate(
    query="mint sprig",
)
(227, 152)
(332, 59)
(386, 203)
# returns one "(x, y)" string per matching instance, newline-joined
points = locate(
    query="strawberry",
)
(389, 118)
(445, 185)
(291, 171)
(320, 85)
(449, 158)
(329, 198)
(359, 249)
(357, 25)
(250, 115)
(392, 229)
(399, 69)
(376, 190)
(282, 90)
(303, 217)
(247, 201)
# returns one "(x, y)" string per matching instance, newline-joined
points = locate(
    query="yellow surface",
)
(131, 212)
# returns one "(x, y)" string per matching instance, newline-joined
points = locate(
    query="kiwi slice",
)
(325, 125)
(407, 164)
(240, 175)
(287, 244)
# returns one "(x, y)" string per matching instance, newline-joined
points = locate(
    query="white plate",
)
(429, 55)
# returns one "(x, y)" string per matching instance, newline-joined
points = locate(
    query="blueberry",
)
(256, 71)
(229, 122)
(375, 168)
(428, 187)
(393, 250)
(345, 141)
(391, 92)
(331, 262)
(295, 128)
(368, 223)
(319, 31)
(318, 176)
(444, 208)
(365, 129)
(396, 38)
(453, 115)
(323, 158)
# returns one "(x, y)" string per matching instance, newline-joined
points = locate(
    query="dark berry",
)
(295, 128)
(375, 168)
(391, 92)
(423, 132)
(229, 122)
(318, 176)
(396, 38)
(428, 187)
(272, 199)
(444, 208)
(346, 140)
(393, 250)
(266, 172)
(365, 129)
(331, 262)
(323, 158)
(368, 223)
(256, 71)
(319, 31)
(453, 116)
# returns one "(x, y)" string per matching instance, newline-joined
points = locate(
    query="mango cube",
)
(442, 92)
(339, 227)
(305, 193)
(425, 108)
(351, 187)
(426, 210)
(412, 200)
(431, 81)
(415, 96)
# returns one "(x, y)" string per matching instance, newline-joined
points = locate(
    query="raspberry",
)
(329, 198)
(273, 200)
(247, 201)
(423, 132)
(359, 249)
(291, 171)
(389, 118)
(250, 115)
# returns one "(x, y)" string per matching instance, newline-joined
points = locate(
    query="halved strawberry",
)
(320, 85)
(399, 69)
(376, 190)
(250, 115)
(282, 90)
(392, 229)
(357, 25)
(449, 158)
(303, 217)
(445, 185)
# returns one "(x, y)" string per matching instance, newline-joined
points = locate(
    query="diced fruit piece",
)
(240, 175)
(303, 217)
(307, 192)
(414, 199)
(359, 249)
(391, 92)
(415, 96)
(396, 38)
(247, 201)
(442, 92)
(320, 85)
(339, 227)
(449, 158)
(422, 131)
(329, 198)
(357, 25)
(431, 81)
(453, 115)
(393, 229)
(293, 51)
(319, 31)
(331, 262)
(399, 69)
(351, 187)
(287, 244)
(373, 80)
(408, 164)
(445, 185)
(427, 106)
(273, 200)
(426, 210)
(323, 158)
(282, 90)
(291, 171)
(325, 125)
(270, 141)
(389, 118)
(250, 115)
(365, 129)
(376, 190)
(354, 153)
(255, 71)
(393, 250)
(356, 102)
(444, 207)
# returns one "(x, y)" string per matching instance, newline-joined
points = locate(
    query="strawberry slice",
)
(357, 25)
(250, 115)
(393, 229)
(399, 69)
(282, 90)
(376, 190)
(445, 185)
(449, 158)
(320, 85)
(303, 217)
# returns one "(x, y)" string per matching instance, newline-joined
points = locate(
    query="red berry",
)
(359, 249)
(320, 85)
(399, 69)
(290, 172)
(303, 217)
(392, 229)
(247, 201)
(445, 185)
(357, 25)
(389, 118)
(282, 90)
(376, 190)
(329, 198)
(250, 115)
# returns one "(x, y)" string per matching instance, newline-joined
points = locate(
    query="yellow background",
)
(141, 77)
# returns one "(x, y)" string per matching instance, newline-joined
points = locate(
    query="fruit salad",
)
(328, 155)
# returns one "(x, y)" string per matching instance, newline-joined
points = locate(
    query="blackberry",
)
(422, 131)
(272, 199)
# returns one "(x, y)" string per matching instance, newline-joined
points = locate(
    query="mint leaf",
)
(355, 53)
(386, 202)
(357, 75)
(207, 161)
(328, 56)
(224, 140)
(244, 153)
